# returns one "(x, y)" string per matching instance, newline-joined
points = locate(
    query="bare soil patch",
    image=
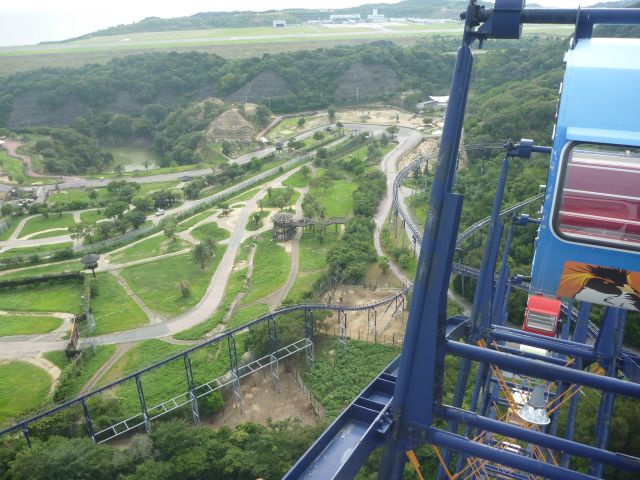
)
(231, 125)
(359, 326)
(261, 402)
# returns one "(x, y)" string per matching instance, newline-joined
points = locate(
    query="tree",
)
(115, 209)
(202, 254)
(383, 263)
(226, 147)
(135, 218)
(169, 229)
(146, 165)
(93, 195)
(305, 171)
(263, 114)
(83, 231)
(118, 170)
(301, 122)
(143, 202)
(318, 136)
(332, 113)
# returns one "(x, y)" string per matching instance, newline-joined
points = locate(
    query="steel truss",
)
(231, 379)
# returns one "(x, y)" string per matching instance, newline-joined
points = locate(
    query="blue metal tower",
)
(505, 425)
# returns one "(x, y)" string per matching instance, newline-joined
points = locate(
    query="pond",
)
(132, 158)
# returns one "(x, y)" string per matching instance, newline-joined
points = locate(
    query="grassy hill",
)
(207, 20)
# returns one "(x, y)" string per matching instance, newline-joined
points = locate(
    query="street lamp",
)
(535, 410)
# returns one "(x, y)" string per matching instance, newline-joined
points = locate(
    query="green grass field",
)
(303, 284)
(245, 314)
(337, 199)
(234, 285)
(58, 358)
(12, 228)
(157, 283)
(243, 197)
(313, 253)
(191, 221)
(32, 383)
(113, 309)
(70, 54)
(51, 297)
(14, 167)
(151, 247)
(59, 267)
(55, 233)
(39, 223)
(30, 251)
(92, 216)
(210, 230)
(27, 325)
(297, 180)
(338, 377)
(271, 266)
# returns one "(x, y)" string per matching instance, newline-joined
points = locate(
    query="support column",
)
(87, 418)
(143, 404)
(195, 411)
(273, 352)
(342, 330)
(233, 365)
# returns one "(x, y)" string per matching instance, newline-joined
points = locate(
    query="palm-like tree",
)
(146, 165)
(204, 252)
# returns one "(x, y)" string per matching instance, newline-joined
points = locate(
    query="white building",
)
(376, 17)
(353, 17)
(279, 24)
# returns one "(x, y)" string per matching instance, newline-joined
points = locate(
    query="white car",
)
(159, 212)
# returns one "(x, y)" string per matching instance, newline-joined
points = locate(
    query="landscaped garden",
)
(41, 222)
(150, 247)
(158, 283)
(113, 309)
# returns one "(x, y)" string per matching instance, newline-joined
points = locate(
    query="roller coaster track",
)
(459, 268)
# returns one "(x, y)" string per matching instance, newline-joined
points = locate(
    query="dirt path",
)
(275, 299)
(121, 349)
(153, 317)
(51, 368)
(12, 148)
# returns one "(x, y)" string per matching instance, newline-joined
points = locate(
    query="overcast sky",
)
(25, 22)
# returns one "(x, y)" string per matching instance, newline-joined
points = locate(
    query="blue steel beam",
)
(534, 368)
(618, 460)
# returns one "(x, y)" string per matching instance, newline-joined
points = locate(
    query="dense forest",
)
(167, 100)
(206, 20)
